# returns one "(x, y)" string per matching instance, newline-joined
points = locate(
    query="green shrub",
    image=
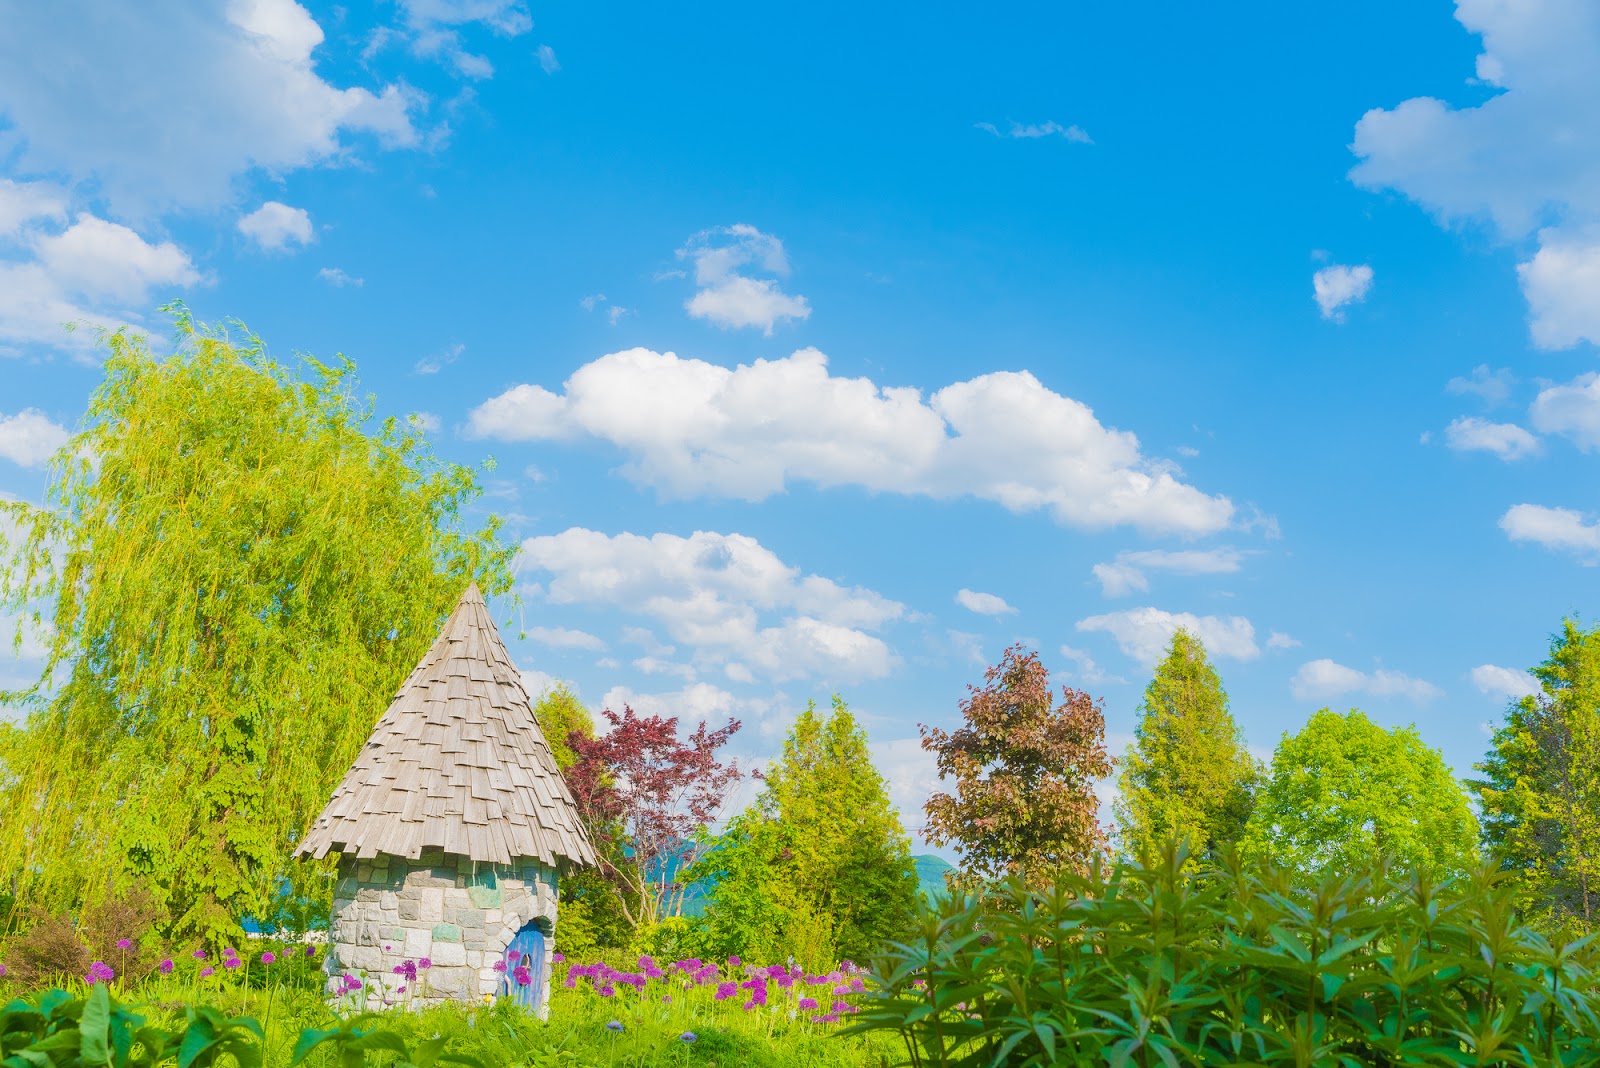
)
(1237, 965)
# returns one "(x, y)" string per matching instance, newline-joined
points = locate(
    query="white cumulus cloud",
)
(1562, 529)
(1144, 633)
(1572, 410)
(275, 226)
(728, 296)
(1506, 440)
(691, 428)
(985, 604)
(168, 102)
(30, 437)
(93, 272)
(1506, 683)
(1319, 680)
(725, 597)
(1338, 285)
(1525, 155)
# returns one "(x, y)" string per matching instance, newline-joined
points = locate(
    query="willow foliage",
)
(234, 569)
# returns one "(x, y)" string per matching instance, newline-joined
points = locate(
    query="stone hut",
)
(451, 827)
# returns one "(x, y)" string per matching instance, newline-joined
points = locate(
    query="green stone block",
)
(485, 897)
(446, 932)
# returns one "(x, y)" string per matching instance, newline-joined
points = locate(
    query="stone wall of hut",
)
(458, 915)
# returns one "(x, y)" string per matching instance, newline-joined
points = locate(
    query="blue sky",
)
(837, 349)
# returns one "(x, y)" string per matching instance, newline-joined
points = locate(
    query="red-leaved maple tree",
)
(643, 794)
(1024, 770)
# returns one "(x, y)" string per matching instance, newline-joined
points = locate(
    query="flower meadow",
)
(686, 1012)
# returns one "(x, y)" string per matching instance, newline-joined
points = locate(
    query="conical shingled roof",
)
(457, 763)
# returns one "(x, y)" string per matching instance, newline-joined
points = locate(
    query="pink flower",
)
(311, 951)
(166, 967)
(733, 961)
(424, 963)
(807, 1004)
(557, 957)
(232, 962)
(99, 972)
(725, 991)
(199, 954)
(206, 972)
(123, 943)
(268, 957)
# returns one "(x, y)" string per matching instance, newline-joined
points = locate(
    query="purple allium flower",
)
(687, 1036)
(614, 1025)
(311, 951)
(387, 948)
(232, 962)
(207, 972)
(733, 961)
(123, 943)
(99, 972)
(166, 967)
(571, 983)
(557, 957)
(230, 952)
(808, 1004)
(199, 954)
(606, 990)
(667, 1000)
(500, 966)
(268, 957)
(725, 991)
(521, 974)
(2, 971)
(424, 963)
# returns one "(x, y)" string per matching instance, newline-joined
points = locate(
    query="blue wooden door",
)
(526, 951)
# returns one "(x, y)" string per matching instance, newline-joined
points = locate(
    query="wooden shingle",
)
(457, 762)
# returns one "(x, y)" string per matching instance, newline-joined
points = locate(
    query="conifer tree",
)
(1540, 791)
(1188, 773)
(822, 845)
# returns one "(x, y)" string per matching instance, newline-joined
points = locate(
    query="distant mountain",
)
(930, 872)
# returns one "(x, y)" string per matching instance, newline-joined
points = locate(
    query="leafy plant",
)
(1236, 963)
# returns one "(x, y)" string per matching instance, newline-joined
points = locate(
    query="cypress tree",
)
(1188, 773)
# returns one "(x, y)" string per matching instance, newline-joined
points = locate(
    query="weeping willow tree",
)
(233, 569)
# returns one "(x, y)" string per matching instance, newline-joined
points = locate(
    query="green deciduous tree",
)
(1188, 773)
(1540, 791)
(1024, 769)
(1344, 790)
(236, 569)
(822, 848)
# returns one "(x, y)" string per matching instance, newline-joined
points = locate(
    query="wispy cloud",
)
(1034, 130)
